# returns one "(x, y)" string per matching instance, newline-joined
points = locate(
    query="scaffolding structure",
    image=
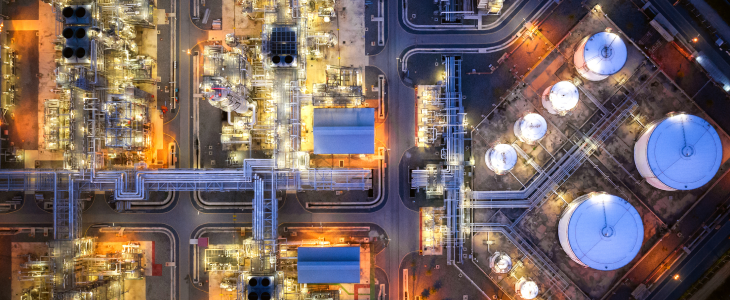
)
(58, 125)
(449, 180)
(343, 88)
(319, 42)
(490, 7)
(100, 121)
(99, 110)
(125, 123)
(125, 66)
(431, 116)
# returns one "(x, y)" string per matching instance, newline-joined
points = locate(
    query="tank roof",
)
(605, 53)
(605, 232)
(684, 151)
(501, 157)
(532, 127)
(529, 290)
(564, 96)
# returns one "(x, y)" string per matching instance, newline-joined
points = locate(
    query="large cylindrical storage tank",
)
(526, 289)
(601, 231)
(501, 158)
(600, 55)
(560, 98)
(678, 152)
(531, 128)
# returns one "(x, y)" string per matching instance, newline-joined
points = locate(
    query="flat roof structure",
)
(344, 130)
(328, 264)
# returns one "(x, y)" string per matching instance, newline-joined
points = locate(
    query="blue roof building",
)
(344, 130)
(328, 264)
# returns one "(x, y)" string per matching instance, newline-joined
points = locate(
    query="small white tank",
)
(500, 263)
(601, 231)
(501, 158)
(678, 152)
(600, 55)
(527, 289)
(531, 128)
(560, 98)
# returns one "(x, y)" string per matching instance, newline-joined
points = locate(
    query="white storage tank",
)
(531, 128)
(600, 55)
(678, 152)
(601, 231)
(500, 263)
(560, 98)
(526, 289)
(501, 158)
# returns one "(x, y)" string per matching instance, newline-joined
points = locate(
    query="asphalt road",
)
(689, 29)
(694, 266)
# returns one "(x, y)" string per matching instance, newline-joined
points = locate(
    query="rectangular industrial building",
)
(344, 130)
(328, 264)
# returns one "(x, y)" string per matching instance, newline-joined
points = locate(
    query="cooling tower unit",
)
(560, 98)
(500, 263)
(501, 158)
(527, 289)
(678, 152)
(531, 128)
(600, 55)
(601, 231)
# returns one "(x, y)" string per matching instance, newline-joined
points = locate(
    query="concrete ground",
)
(219, 237)
(9, 248)
(413, 159)
(216, 12)
(349, 27)
(485, 244)
(155, 287)
(540, 225)
(431, 278)
(563, 18)
(22, 10)
(372, 36)
(20, 255)
(499, 128)
(11, 201)
(23, 117)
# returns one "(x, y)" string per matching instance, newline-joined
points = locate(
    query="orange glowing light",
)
(694, 40)
(676, 277)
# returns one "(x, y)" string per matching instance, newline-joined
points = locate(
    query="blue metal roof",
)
(328, 264)
(344, 130)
